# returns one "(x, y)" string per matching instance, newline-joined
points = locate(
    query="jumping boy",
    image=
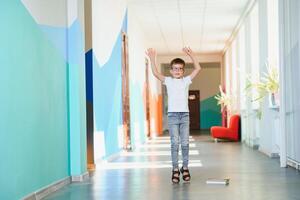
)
(178, 110)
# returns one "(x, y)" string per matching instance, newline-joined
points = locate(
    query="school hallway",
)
(87, 98)
(146, 174)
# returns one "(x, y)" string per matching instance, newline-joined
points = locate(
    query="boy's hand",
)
(188, 52)
(191, 54)
(151, 53)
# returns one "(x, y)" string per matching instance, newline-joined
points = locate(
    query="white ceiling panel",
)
(204, 25)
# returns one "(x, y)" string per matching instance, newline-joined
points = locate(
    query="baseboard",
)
(45, 191)
(110, 158)
(270, 154)
(205, 129)
(252, 143)
(113, 156)
(293, 163)
(42, 193)
(79, 178)
(274, 155)
(255, 147)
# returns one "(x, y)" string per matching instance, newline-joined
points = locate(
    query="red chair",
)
(230, 133)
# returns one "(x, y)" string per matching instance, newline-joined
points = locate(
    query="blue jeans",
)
(179, 129)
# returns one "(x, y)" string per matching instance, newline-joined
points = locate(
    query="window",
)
(273, 32)
(242, 67)
(254, 45)
(234, 78)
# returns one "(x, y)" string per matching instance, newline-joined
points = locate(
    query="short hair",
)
(177, 61)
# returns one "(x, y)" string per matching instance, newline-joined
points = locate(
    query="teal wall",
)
(38, 126)
(76, 99)
(210, 113)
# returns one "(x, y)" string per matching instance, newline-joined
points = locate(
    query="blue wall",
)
(107, 91)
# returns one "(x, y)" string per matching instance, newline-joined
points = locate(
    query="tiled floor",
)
(146, 174)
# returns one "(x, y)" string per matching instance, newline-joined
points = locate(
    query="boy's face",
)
(177, 70)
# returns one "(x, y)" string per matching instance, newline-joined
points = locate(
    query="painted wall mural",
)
(43, 98)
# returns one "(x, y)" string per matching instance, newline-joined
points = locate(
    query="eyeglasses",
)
(177, 69)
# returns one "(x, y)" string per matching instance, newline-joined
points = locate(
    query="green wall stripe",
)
(210, 113)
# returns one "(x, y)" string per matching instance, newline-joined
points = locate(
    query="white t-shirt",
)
(178, 92)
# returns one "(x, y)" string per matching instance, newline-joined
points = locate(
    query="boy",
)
(178, 110)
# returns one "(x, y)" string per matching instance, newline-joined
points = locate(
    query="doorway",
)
(125, 93)
(89, 86)
(194, 107)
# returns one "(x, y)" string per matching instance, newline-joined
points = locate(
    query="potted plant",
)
(271, 84)
(223, 99)
(267, 85)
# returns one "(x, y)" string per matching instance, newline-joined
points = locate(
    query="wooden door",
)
(125, 93)
(194, 106)
(147, 97)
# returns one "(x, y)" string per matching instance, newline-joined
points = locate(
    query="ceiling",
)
(204, 25)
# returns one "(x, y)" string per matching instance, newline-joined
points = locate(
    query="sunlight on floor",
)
(155, 153)
(165, 140)
(144, 165)
(150, 145)
(150, 148)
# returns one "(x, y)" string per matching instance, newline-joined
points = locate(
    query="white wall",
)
(137, 44)
(107, 17)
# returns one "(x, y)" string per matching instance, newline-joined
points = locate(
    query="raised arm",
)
(151, 53)
(197, 66)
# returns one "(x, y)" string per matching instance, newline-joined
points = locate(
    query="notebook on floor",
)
(218, 181)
